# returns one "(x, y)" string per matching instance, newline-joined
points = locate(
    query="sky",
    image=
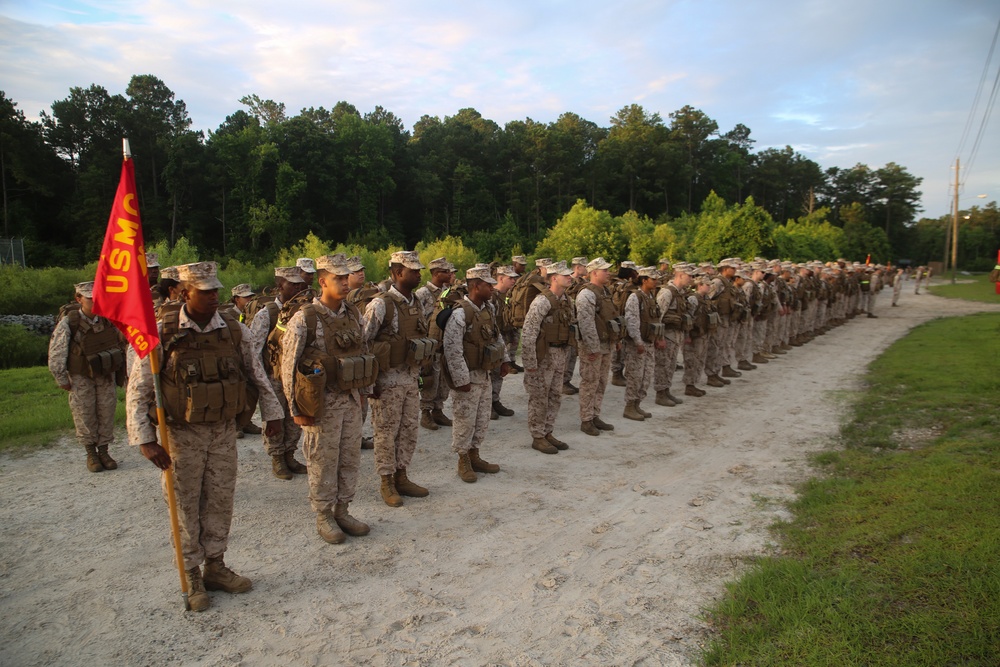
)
(842, 82)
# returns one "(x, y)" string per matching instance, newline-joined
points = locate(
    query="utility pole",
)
(954, 231)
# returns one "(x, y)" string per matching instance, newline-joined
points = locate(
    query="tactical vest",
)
(650, 326)
(93, 353)
(677, 316)
(606, 316)
(410, 345)
(557, 325)
(203, 379)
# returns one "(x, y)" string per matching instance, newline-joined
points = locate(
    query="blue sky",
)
(843, 82)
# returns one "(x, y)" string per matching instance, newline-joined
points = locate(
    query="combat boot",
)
(544, 446)
(673, 398)
(663, 398)
(502, 409)
(198, 599)
(556, 442)
(328, 528)
(715, 381)
(218, 577)
(618, 379)
(603, 425)
(407, 488)
(691, 390)
(479, 465)
(427, 421)
(439, 418)
(465, 470)
(93, 461)
(642, 412)
(589, 428)
(294, 466)
(728, 372)
(388, 491)
(280, 466)
(569, 390)
(348, 523)
(631, 412)
(745, 365)
(105, 458)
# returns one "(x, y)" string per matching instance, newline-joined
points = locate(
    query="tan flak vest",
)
(411, 344)
(93, 353)
(203, 379)
(677, 316)
(650, 326)
(606, 317)
(556, 329)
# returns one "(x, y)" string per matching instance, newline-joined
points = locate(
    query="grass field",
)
(979, 289)
(34, 411)
(892, 556)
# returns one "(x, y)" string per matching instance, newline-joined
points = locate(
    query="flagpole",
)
(161, 419)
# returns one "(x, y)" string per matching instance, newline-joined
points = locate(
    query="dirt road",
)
(604, 554)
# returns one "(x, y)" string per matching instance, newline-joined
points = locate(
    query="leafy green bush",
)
(19, 348)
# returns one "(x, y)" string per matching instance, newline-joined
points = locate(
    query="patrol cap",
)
(648, 272)
(292, 274)
(85, 289)
(407, 258)
(242, 290)
(597, 264)
(579, 261)
(200, 275)
(306, 264)
(560, 269)
(152, 260)
(335, 264)
(507, 271)
(355, 264)
(543, 261)
(480, 273)
(519, 259)
(170, 273)
(440, 264)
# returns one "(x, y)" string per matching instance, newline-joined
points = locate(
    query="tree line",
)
(265, 179)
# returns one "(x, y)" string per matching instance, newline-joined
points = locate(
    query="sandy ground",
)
(604, 554)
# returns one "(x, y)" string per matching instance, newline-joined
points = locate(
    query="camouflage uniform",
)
(544, 382)
(288, 439)
(593, 373)
(471, 408)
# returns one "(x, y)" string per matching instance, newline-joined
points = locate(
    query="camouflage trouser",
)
(716, 349)
(435, 389)
(695, 352)
(288, 437)
(570, 364)
(593, 382)
(666, 360)
(93, 402)
(332, 449)
(395, 418)
(204, 461)
(471, 413)
(639, 369)
(544, 387)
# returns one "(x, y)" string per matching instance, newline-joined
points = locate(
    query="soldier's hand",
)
(465, 388)
(66, 387)
(272, 428)
(504, 369)
(158, 455)
(302, 420)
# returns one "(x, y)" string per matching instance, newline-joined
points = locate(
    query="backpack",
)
(273, 345)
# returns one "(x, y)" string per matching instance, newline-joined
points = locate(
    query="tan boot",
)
(439, 418)
(198, 599)
(294, 466)
(389, 494)
(407, 488)
(465, 470)
(603, 425)
(280, 466)
(479, 465)
(218, 577)
(427, 421)
(631, 412)
(328, 528)
(93, 461)
(556, 442)
(618, 379)
(348, 523)
(589, 428)
(642, 412)
(663, 398)
(105, 458)
(544, 446)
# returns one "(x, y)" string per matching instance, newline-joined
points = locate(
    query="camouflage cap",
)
(292, 274)
(407, 258)
(335, 264)
(170, 273)
(355, 264)
(306, 264)
(519, 259)
(559, 268)
(200, 275)
(597, 264)
(86, 289)
(579, 261)
(543, 261)
(152, 260)
(480, 273)
(242, 290)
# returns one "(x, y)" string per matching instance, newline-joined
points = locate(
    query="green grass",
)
(980, 289)
(34, 411)
(892, 557)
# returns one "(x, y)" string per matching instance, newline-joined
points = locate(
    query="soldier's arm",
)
(586, 308)
(270, 408)
(59, 354)
(454, 332)
(632, 318)
(537, 311)
(293, 343)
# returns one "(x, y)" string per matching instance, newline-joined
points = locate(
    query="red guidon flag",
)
(121, 288)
